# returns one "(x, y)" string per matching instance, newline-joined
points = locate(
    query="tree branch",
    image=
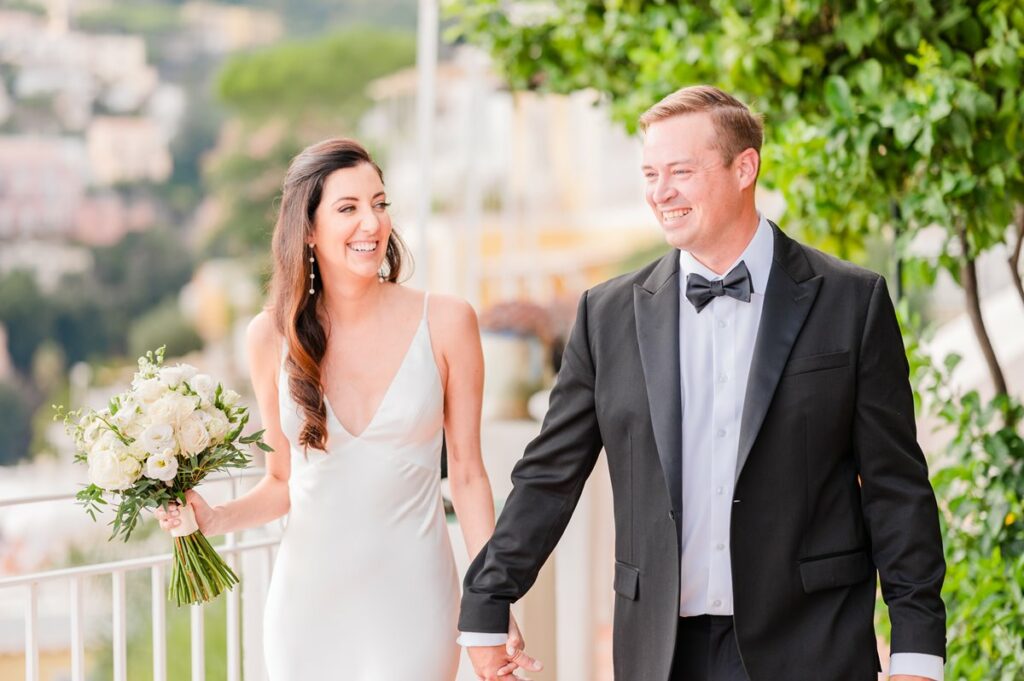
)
(969, 278)
(1014, 260)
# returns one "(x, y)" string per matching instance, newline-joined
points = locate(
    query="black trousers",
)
(706, 650)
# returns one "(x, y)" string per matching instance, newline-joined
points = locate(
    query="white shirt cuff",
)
(916, 664)
(474, 639)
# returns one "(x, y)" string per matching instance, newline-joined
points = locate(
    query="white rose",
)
(172, 376)
(217, 424)
(137, 450)
(149, 390)
(128, 419)
(157, 438)
(163, 466)
(229, 398)
(172, 408)
(204, 386)
(111, 442)
(192, 435)
(112, 470)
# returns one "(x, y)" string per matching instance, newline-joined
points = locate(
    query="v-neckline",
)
(387, 391)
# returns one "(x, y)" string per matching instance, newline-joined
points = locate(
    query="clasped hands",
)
(500, 662)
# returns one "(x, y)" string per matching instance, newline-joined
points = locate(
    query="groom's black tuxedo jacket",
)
(831, 484)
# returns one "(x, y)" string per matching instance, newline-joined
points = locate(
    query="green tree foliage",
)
(89, 314)
(163, 325)
(891, 115)
(980, 493)
(284, 98)
(139, 271)
(25, 315)
(15, 427)
(309, 17)
(322, 77)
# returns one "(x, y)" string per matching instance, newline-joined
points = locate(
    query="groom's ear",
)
(747, 164)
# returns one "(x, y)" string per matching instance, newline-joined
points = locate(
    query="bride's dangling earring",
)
(312, 275)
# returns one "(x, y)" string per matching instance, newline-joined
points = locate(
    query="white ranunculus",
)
(163, 466)
(229, 398)
(172, 376)
(157, 437)
(217, 423)
(192, 435)
(92, 432)
(204, 386)
(111, 469)
(149, 390)
(172, 408)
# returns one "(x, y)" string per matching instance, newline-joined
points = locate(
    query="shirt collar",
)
(757, 256)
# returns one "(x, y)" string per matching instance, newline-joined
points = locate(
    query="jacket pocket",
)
(830, 572)
(627, 580)
(829, 360)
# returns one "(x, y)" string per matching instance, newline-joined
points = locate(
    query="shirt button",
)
(717, 604)
(722, 378)
(718, 490)
(722, 323)
(721, 432)
(720, 547)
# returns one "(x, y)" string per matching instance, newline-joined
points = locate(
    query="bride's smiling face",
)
(351, 225)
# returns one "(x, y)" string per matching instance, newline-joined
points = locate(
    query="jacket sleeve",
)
(897, 499)
(547, 484)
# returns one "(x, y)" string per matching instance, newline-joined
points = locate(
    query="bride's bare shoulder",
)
(263, 340)
(452, 316)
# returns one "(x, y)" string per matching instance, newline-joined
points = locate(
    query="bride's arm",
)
(268, 500)
(454, 322)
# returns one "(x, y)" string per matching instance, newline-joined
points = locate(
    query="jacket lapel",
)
(788, 297)
(656, 308)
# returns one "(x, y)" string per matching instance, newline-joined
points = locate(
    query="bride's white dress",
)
(364, 587)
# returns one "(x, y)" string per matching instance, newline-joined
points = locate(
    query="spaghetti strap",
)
(426, 296)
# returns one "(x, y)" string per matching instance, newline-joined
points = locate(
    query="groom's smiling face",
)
(694, 194)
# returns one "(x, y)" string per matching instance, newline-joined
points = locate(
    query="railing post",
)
(120, 628)
(77, 631)
(198, 644)
(234, 651)
(31, 633)
(158, 596)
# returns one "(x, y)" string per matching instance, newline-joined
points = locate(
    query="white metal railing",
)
(231, 550)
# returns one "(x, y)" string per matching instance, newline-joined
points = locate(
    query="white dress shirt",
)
(716, 346)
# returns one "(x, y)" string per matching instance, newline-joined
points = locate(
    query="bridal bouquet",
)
(150, 445)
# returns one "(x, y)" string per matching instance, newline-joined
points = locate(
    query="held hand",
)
(171, 518)
(515, 649)
(487, 660)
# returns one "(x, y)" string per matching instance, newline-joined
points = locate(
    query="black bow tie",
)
(736, 284)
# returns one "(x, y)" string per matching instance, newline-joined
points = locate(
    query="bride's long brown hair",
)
(294, 308)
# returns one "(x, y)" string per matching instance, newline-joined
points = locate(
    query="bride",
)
(356, 377)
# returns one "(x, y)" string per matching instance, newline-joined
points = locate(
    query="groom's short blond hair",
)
(738, 127)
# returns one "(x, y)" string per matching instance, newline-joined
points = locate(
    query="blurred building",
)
(47, 260)
(534, 195)
(74, 70)
(125, 149)
(220, 28)
(42, 183)
(103, 218)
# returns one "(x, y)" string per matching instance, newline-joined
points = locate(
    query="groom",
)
(751, 395)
